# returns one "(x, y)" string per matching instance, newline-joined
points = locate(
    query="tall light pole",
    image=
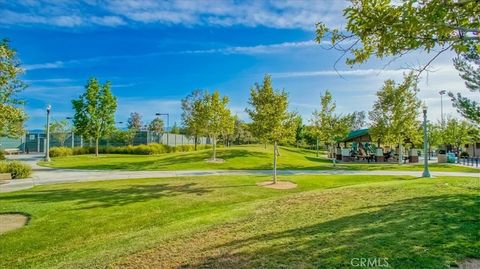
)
(168, 121)
(425, 173)
(73, 134)
(47, 146)
(442, 92)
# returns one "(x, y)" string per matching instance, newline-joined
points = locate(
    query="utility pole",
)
(47, 146)
(168, 122)
(442, 92)
(426, 173)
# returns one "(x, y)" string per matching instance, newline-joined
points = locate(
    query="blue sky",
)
(156, 52)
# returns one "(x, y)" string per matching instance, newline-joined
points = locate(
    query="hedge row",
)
(16, 169)
(150, 149)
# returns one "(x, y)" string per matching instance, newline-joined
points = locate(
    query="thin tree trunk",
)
(275, 162)
(195, 142)
(318, 154)
(334, 155)
(400, 153)
(214, 149)
(96, 147)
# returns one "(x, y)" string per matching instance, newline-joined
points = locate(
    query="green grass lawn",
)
(238, 157)
(225, 222)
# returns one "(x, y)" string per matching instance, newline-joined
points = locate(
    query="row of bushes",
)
(150, 149)
(16, 169)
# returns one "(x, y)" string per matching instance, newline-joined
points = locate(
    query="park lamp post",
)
(47, 146)
(168, 121)
(425, 173)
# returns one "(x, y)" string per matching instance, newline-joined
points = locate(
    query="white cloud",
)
(251, 13)
(257, 49)
(50, 65)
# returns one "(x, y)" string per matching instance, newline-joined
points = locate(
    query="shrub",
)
(464, 154)
(2, 155)
(16, 169)
(150, 149)
(60, 151)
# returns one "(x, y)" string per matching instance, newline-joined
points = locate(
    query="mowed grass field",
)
(236, 158)
(230, 222)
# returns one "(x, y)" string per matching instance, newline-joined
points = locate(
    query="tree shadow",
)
(105, 197)
(428, 232)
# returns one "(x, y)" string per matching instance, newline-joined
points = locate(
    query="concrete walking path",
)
(45, 175)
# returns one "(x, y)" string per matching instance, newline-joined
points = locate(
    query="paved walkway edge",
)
(56, 176)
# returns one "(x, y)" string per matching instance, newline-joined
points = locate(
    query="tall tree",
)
(390, 28)
(329, 127)
(218, 117)
(394, 114)
(60, 131)
(12, 117)
(469, 67)
(271, 121)
(95, 111)
(135, 121)
(156, 126)
(193, 118)
(358, 120)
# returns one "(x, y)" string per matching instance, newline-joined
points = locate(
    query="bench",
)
(12, 151)
(5, 176)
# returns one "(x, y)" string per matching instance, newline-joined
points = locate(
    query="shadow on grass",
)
(429, 232)
(105, 197)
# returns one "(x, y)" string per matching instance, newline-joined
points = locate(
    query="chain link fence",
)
(36, 141)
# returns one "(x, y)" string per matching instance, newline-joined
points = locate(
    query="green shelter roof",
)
(356, 134)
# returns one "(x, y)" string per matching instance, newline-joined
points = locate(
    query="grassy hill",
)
(236, 158)
(225, 222)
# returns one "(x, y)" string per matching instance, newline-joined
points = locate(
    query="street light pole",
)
(426, 173)
(442, 92)
(168, 121)
(47, 146)
(73, 133)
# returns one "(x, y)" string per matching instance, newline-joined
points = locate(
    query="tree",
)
(469, 68)
(156, 126)
(241, 132)
(94, 111)
(192, 117)
(329, 127)
(394, 115)
(271, 122)
(60, 131)
(358, 120)
(175, 129)
(218, 117)
(12, 117)
(458, 133)
(297, 121)
(434, 135)
(390, 28)
(135, 121)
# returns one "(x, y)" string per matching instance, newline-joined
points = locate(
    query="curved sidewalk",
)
(45, 176)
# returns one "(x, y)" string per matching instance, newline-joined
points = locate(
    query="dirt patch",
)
(13, 221)
(217, 160)
(280, 185)
(468, 264)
